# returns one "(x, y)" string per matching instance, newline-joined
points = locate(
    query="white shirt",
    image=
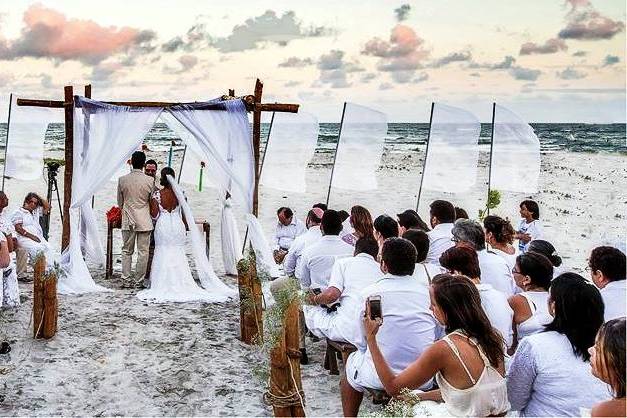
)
(498, 311)
(29, 221)
(293, 257)
(6, 225)
(545, 378)
(424, 272)
(284, 235)
(613, 295)
(439, 241)
(510, 259)
(496, 272)
(318, 258)
(534, 228)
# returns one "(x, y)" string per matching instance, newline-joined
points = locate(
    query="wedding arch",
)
(101, 135)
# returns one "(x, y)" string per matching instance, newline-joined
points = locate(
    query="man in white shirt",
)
(607, 268)
(408, 324)
(494, 269)
(292, 259)
(349, 277)
(442, 217)
(317, 259)
(30, 236)
(287, 229)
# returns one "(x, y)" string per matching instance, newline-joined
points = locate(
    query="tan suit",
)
(134, 190)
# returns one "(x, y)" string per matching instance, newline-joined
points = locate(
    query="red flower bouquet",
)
(114, 217)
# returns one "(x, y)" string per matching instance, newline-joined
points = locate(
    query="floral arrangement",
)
(114, 217)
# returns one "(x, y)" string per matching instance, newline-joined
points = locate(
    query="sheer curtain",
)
(104, 137)
(291, 145)
(515, 154)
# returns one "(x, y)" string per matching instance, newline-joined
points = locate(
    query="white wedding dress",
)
(170, 276)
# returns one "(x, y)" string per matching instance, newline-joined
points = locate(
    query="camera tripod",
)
(52, 187)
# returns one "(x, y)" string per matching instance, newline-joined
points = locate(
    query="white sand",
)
(115, 355)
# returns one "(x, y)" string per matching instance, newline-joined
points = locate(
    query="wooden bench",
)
(337, 350)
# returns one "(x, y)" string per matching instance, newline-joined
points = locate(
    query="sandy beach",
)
(116, 355)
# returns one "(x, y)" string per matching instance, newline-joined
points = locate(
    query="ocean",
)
(574, 137)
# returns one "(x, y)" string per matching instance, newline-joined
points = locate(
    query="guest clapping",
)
(607, 268)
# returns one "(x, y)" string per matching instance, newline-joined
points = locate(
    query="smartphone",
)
(316, 291)
(374, 303)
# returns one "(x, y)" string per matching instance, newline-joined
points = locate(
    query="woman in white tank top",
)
(468, 363)
(533, 273)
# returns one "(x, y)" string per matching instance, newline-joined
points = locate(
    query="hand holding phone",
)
(374, 307)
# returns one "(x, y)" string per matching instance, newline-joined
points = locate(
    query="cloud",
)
(196, 37)
(105, 73)
(46, 81)
(452, 57)
(268, 27)
(173, 44)
(5, 79)
(50, 34)
(334, 70)
(292, 84)
(402, 13)
(576, 4)
(295, 62)
(569, 73)
(475, 75)
(385, 86)
(521, 73)
(187, 62)
(507, 63)
(368, 77)
(421, 77)
(580, 54)
(586, 23)
(551, 46)
(610, 60)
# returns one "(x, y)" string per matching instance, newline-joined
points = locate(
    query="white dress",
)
(30, 223)
(9, 290)
(170, 276)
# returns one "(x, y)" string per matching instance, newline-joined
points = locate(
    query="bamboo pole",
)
(38, 296)
(49, 327)
(109, 263)
(69, 164)
(6, 143)
(285, 378)
(491, 153)
(337, 146)
(424, 163)
(257, 142)
(251, 325)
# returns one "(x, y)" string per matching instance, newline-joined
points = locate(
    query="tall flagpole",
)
(424, 163)
(6, 143)
(337, 145)
(491, 155)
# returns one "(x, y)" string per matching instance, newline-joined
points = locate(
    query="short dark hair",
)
(546, 249)
(138, 160)
(460, 213)
(532, 207)
(367, 245)
(462, 259)
(420, 239)
(578, 311)
(322, 206)
(343, 215)
(443, 210)
(399, 256)
(386, 226)
(610, 260)
(286, 211)
(537, 267)
(153, 162)
(410, 219)
(331, 222)
(469, 231)
(311, 215)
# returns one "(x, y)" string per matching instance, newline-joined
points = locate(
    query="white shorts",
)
(360, 372)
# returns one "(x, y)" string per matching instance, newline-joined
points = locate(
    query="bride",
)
(170, 276)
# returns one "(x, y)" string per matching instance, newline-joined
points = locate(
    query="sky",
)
(547, 60)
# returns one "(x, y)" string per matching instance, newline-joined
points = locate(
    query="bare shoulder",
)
(517, 301)
(611, 408)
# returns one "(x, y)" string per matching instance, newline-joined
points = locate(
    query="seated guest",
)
(410, 219)
(287, 229)
(322, 206)
(467, 363)
(463, 260)
(30, 236)
(423, 272)
(385, 227)
(460, 213)
(530, 227)
(9, 289)
(547, 249)
(550, 373)
(441, 216)
(292, 259)
(361, 222)
(349, 277)
(409, 328)
(318, 258)
(533, 273)
(607, 358)
(607, 268)
(499, 234)
(494, 269)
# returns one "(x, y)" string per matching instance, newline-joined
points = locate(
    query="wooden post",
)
(68, 105)
(49, 327)
(257, 142)
(285, 379)
(38, 296)
(251, 320)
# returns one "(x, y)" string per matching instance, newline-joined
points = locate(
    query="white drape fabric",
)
(360, 148)
(209, 280)
(291, 145)
(265, 260)
(515, 154)
(190, 169)
(105, 136)
(25, 147)
(453, 151)
(230, 238)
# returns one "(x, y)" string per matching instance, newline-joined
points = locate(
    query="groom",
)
(134, 191)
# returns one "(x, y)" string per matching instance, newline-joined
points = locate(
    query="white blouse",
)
(540, 316)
